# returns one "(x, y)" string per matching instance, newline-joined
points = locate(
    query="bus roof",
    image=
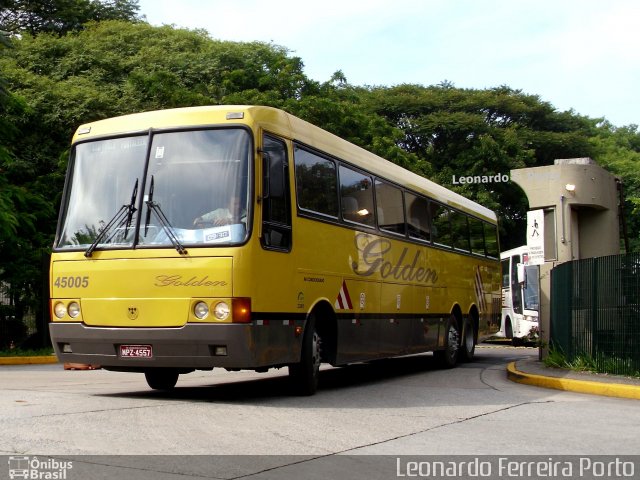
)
(282, 123)
(514, 251)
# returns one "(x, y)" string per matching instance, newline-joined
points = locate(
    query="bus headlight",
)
(73, 309)
(60, 310)
(201, 310)
(221, 311)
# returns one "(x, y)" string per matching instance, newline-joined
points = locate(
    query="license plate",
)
(136, 351)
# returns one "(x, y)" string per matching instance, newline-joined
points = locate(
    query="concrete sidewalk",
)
(534, 372)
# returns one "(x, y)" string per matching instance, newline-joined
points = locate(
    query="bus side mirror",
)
(520, 272)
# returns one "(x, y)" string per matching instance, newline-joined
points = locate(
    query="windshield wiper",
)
(164, 221)
(125, 212)
(131, 209)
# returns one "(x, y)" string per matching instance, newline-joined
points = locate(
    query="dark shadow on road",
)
(277, 389)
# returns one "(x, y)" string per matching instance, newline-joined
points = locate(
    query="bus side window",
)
(516, 292)
(357, 196)
(350, 209)
(477, 236)
(418, 217)
(505, 273)
(390, 208)
(491, 240)
(460, 230)
(316, 183)
(276, 209)
(440, 224)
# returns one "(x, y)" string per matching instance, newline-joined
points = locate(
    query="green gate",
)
(595, 312)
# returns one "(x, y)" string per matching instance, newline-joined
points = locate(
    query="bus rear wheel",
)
(467, 342)
(448, 358)
(304, 376)
(162, 378)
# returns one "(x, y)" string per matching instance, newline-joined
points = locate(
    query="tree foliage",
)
(8, 219)
(465, 132)
(61, 16)
(618, 150)
(25, 214)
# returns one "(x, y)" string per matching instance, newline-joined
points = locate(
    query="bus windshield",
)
(531, 288)
(150, 190)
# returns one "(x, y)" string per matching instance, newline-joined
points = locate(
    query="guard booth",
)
(575, 204)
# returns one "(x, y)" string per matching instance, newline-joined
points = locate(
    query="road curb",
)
(28, 360)
(572, 385)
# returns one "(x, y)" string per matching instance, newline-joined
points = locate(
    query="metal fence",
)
(595, 312)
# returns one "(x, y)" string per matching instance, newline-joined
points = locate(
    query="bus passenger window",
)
(350, 209)
(505, 273)
(389, 208)
(357, 197)
(516, 293)
(441, 227)
(460, 231)
(491, 240)
(477, 236)
(418, 217)
(316, 183)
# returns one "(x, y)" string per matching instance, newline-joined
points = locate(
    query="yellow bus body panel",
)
(149, 292)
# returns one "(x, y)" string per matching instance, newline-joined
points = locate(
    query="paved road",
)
(396, 407)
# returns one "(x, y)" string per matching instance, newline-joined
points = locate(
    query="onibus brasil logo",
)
(37, 469)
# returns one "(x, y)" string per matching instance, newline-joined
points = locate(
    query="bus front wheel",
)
(162, 378)
(304, 375)
(448, 357)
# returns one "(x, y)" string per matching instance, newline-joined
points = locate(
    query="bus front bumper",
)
(192, 346)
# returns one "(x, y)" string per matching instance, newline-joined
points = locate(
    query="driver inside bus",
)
(233, 213)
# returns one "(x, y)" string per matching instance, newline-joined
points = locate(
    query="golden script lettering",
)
(178, 281)
(372, 255)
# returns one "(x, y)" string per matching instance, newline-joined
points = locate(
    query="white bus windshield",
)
(531, 288)
(197, 180)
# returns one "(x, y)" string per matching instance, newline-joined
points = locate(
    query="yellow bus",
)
(243, 237)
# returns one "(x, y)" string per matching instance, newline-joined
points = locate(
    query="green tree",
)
(24, 216)
(618, 150)
(8, 219)
(113, 68)
(482, 132)
(61, 16)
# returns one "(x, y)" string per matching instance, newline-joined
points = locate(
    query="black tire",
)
(467, 341)
(162, 378)
(448, 357)
(304, 376)
(508, 329)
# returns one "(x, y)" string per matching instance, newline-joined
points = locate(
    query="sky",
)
(580, 55)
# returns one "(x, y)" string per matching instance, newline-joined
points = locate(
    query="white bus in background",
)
(520, 297)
